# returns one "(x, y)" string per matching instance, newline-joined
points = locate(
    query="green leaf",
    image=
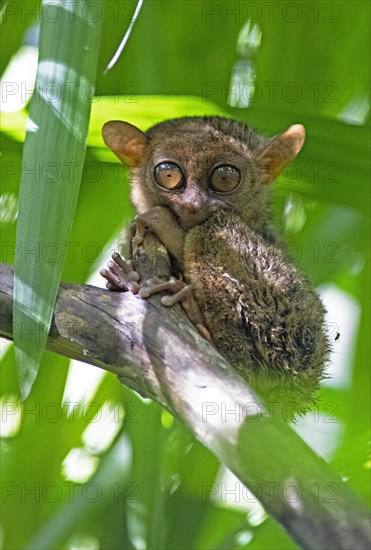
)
(52, 165)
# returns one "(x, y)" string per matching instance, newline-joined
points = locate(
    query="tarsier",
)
(201, 185)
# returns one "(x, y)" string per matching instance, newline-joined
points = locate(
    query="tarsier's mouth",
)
(192, 220)
(187, 224)
(189, 221)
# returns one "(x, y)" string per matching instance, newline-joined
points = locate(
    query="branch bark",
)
(157, 352)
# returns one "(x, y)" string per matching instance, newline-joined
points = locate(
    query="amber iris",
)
(224, 179)
(169, 175)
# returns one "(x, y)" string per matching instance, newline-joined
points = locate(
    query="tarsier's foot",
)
(181, 292)
(120, 275)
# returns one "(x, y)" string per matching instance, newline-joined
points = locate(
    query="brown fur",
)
(261, 311)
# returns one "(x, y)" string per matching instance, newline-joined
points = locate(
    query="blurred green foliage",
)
(149, 486)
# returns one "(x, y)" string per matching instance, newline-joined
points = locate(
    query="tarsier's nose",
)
(194, 207)
(193, 213)
(193, 201)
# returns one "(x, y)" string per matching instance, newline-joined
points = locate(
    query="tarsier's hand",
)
(120, 275)
(162, 222)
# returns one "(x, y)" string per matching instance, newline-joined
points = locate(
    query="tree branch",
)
(157, 352)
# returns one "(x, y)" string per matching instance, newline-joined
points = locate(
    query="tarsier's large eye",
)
(169, 175)
(224, 178)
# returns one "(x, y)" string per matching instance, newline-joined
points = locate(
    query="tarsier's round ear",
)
(125, 140)
(280, 151)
